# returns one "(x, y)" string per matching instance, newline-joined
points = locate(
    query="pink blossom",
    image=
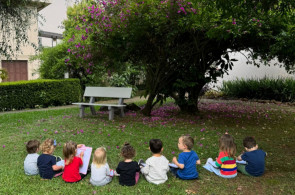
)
(234, 22)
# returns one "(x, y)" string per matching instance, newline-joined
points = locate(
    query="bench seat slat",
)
(94, 104)
(110, 92)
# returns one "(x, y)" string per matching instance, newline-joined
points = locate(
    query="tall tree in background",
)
(182, 44)
(14, 24)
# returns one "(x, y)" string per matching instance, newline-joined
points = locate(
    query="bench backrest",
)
(111, 92)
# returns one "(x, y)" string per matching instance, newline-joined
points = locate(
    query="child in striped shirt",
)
(225, 164)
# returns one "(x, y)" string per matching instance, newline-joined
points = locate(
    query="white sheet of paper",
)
(173, 165)
(60, 163)
(241, 162)
(212, 163)
(112, 173)
(86, 158)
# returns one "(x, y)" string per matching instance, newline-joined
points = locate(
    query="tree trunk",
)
(190, 109)
(149, 105)
(190, 105)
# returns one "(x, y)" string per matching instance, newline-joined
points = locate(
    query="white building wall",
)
(27, 50)
(247, 71)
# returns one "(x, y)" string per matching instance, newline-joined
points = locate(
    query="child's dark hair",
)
(128, 151)
(69, 151)
(188, 141)
(32, 146)
(156, 145)
(249, 142)
(227, 144)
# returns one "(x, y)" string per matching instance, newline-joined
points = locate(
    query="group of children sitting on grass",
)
(154, 169)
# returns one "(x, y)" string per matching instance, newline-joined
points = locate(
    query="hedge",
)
(38, 93)
(280, 89)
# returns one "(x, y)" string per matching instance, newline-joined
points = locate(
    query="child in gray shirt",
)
(100, 170)
(30, 163)
(156, 167)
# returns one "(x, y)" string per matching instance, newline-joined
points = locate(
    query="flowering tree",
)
(181, 44)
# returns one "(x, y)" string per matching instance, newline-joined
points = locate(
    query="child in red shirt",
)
(72, 163)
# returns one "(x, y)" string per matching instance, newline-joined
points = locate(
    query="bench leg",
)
(92, 110)
(82, 108)
(111, 112)
(122, 114)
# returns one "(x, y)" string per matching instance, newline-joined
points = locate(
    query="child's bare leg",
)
(136, 177)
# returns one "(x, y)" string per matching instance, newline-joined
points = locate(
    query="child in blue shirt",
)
(254, 157)
(187, 160)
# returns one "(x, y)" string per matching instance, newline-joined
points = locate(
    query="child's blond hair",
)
(99, 157)
(47, 146)
(188, 141)
(69, 151)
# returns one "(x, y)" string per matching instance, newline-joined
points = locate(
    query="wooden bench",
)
(109, 92)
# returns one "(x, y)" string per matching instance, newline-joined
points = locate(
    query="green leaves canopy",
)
(183, 44)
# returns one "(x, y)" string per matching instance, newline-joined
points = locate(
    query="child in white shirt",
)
(30, 163)
(100, 170)
(157, 166)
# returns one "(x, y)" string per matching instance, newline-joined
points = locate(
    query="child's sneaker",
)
(209, 160)
(58, 158)
(116, 174)
(141, 162)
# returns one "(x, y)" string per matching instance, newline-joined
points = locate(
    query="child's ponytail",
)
(127, 151)
(69, 151)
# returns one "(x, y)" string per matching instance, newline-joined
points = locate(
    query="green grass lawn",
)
(272, 126)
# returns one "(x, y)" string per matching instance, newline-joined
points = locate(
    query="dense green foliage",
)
(3, 74)
(181, 44)
(53, 62)
(280, 89)
(29, 94)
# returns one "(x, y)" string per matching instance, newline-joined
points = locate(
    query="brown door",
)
(17, 70)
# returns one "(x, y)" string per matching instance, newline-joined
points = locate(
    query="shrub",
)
(280, 89)
(44, 93)
(53, 61)
(212, 94)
